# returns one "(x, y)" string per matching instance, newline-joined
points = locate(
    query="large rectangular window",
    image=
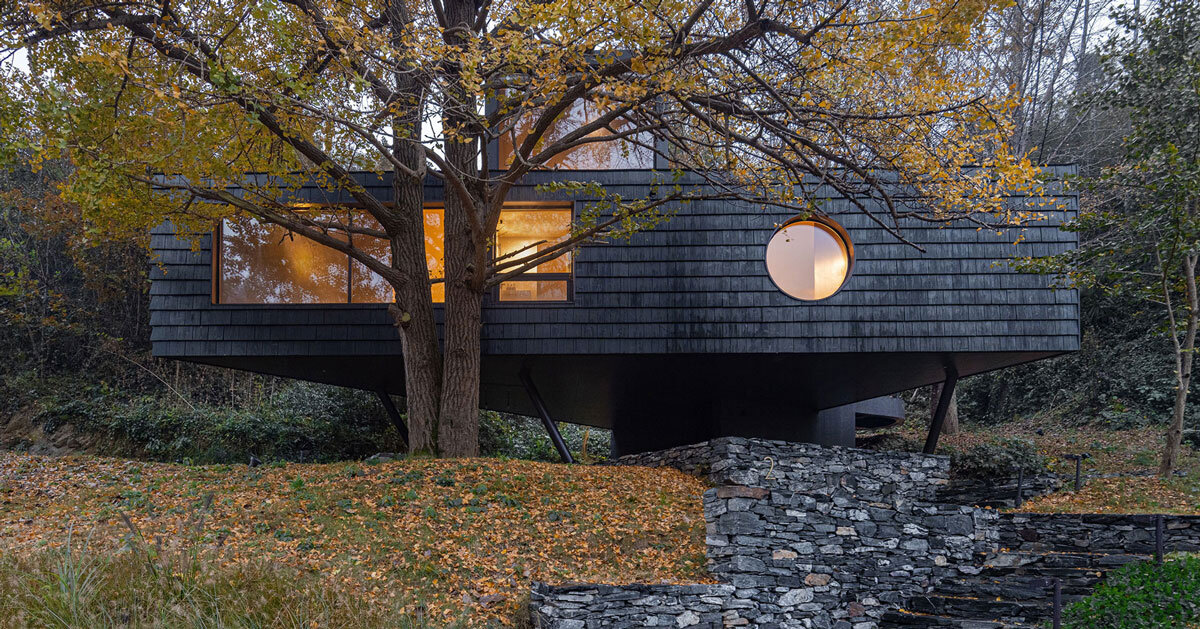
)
(263, 263)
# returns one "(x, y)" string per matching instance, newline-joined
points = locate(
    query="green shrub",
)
(302, 422)
(1000, 458)
(1142, 596)
(520, 437)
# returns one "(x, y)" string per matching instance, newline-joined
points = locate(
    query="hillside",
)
(418, 539)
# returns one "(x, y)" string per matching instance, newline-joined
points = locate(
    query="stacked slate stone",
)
(1015, 584)
(1098, 533)
(799, 536)
(696, 459)
(586, 606)
(834, 536)
(998, 493)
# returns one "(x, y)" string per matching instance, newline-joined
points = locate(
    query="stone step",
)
(1031, 561)
(908, 619)
(1019, 587)
(1001, 609)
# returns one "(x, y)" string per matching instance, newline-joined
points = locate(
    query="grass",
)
(425, 540)
(78, 587)
(1133, 453)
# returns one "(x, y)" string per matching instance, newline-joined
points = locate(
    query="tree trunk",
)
(1184, 353)
(466, 249)
(458, 432)
(413, 314)
(950, 424)
(413, 307)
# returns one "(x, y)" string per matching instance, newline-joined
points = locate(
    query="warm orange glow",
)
(262, 263)
(366, 286)
(808, 260)
(605, 155)
(524, 231)
(435, 251)
(524, 290)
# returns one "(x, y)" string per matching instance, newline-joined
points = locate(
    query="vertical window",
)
(435, 251)
(600, 155)
(525, 230)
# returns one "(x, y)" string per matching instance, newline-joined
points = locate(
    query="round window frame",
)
(838, 231)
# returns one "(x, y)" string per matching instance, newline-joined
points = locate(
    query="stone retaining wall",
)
(1097, 533)
(587, 606)
(998, 492)
(806, 467)
(799, 536)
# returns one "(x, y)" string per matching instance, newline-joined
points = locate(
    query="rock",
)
(739, 523)
(687, 619)
(384, 457)
(739, 491)
(816, 579)
(742, 563)
(795, 597)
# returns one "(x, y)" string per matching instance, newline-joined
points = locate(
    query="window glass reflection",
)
(607, 155)
(534, 290)
(262, 263)
(367, 286)
(521, 232)
(435, 251)
(808, 260)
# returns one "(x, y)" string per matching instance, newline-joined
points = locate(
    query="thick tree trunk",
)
(458, 432)
(1184, 354)
(466, 250)
(950, 424)
(413, 315)
(412, 310)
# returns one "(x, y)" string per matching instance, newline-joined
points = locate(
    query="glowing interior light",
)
(808, 260)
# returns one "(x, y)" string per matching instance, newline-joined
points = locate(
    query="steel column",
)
(547, 421)
(397, 418)
(943, 405)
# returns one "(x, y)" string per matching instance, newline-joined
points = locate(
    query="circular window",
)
(809, 259)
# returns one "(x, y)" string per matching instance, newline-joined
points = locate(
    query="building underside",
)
(658, 401)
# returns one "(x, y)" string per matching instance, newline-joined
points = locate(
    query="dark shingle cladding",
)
(695, 284)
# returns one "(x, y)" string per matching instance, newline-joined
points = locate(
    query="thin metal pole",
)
(547, 421)
(1058, 604)
(1020, 487)
(1158, 538)
(943, 405)
(1078, 465)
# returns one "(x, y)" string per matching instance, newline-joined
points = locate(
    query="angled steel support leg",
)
(547, 421)
(397, 419)
(943, 405)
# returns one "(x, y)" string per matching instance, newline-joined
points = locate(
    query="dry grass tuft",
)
(423, 538)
